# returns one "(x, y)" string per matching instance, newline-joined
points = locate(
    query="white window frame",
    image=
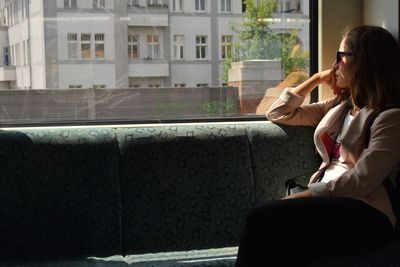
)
(85, 42)
(132, 3)
(226, 6)
(70, 4)
(99, 45)
(177, 5)
(226, 46)
(153, 3)
(179, 46)
(133, 43)
(72, 45)
(201, 47)
(99, 3)
(200, 5)
(153, 47)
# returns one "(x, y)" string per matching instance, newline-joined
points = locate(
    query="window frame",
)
(201, 47)
(179, 47)
(200, 6)
(133, 41)
(313, 69)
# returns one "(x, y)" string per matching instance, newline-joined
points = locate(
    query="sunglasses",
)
(341, 54)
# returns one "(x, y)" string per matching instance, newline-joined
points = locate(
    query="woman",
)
(346, 208)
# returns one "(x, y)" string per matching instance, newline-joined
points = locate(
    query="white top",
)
(338, 166)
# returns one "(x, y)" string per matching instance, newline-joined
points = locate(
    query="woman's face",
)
(343, 74)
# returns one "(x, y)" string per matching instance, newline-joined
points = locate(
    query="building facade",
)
(47, 44)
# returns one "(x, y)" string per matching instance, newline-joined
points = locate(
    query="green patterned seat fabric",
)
(59, 194)
(280, 153)
(183, 187)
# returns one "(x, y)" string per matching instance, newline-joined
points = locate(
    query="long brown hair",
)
(375, 66)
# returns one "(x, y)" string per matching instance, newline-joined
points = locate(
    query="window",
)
(152, 3)
(201, 47)
(200, 5)
(70, 4)
(27, 7)
(133, 46)
(86, 50)
(17, 55)
(158, 59)
(284, 6)
(178, 46)
(74, 86)
(133, 2)
(24, 53)
(99, 45)
(152, 47)
(226, 48)
(99, 3)
(226, 5)
(72, 45)
(202, 85)
(28, 52)
(177, 5)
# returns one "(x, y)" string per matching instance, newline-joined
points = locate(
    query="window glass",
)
(96, 61)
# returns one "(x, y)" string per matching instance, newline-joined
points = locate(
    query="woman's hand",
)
(306, 193)
(324, 77)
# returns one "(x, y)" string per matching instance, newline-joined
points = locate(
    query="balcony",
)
(148, 68)
(151, 17)
(7, 73)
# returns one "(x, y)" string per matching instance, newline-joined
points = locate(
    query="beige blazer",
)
(369, 167)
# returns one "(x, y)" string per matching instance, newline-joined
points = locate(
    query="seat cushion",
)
(183, 187)
(59, 193)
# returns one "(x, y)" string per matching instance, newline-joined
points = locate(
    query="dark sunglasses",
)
(341, 54)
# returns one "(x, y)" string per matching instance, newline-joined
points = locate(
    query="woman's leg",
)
(288, 232)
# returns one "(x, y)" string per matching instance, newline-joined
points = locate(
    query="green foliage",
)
(256, 40)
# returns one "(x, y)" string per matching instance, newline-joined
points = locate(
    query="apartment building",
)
(61, 44)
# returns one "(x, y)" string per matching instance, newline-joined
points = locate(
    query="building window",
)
(201, 84)
(133, 2)
(133, 46)
(180, 85)
(243, 6)
(99, 3)
(152, 47)
(27, 7)
(28, 52)
(226, 5)
(99, 86)
(226, 47)
(86, 45)
(99, 45)
(153, 3)
(177, 5)
(178, 46)
(154, 85)
(284, 6)
(200, 5)
(201, 47)
(72, 45)
(18, 54)
(70, 4)
(74, 86)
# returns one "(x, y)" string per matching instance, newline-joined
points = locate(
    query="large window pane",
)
(147, 60)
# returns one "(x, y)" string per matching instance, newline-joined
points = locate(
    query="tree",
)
(256, 40)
